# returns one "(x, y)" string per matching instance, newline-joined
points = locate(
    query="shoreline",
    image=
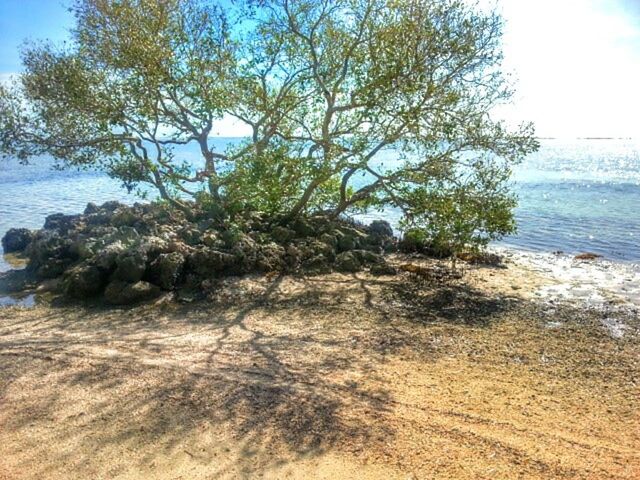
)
(593, 283)
(598, 283)
(609, 288)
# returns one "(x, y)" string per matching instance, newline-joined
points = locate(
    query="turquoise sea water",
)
(581, 196)
(577, 195)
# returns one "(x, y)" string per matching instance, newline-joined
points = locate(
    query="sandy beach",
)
(330, 376)
(365, 239)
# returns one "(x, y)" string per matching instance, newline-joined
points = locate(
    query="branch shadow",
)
(453, 303)
(267, 372)
(155, 378)
(253, 381)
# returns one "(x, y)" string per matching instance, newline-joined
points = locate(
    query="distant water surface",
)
(579, 195)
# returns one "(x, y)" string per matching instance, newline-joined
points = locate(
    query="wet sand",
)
(591, 283)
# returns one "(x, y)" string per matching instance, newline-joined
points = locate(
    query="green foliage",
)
(462, 213)
(325, 87)
(414, 240)
(139, 78)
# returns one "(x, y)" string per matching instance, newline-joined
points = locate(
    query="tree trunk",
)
(302, 203)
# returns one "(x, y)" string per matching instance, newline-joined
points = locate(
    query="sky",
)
(575, 63)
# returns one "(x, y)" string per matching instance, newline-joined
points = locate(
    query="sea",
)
(578, 195)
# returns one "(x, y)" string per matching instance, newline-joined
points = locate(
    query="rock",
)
(383, 269)
(256, 220)
(135, 249)
(207, 262)
(13, 281)
(329, 239)
(317, 265)
(91, 208)
(322, 224)
(380, 228)
(47, 286)
(124, 293)
(206, 225)
(106, 257)
(130, 266)
(587, 256)
(16, 240)
(188, 295)
(211, 239)
(316, 247)
(282, 234)
(303, 228)
(153, 246)
(356, 232)
(126, 235)
(245, 252)
(480, 258)
(293, 256)
(190, 235)
(61, 222)
(111, 205)
(98, 218)
(270, 257)
(166, 269)
(85, 247)
(124, 217)
(380, 237)
(177, 246)
(83, 281)
(52, 222)
(49, 254)
(52, 268)
(232, 237)
(348, 262)
(244, 243)
(347, 242)
(367, 257)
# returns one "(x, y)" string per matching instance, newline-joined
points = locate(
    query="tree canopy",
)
(327, 88)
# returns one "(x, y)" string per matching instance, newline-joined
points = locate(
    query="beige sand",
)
(330, 377)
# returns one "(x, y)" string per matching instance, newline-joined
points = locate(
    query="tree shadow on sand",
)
(284, 372)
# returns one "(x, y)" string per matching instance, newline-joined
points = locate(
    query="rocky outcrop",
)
(128, 254)
(130, 265)
(16, 240)
(83, 281)
(348, 262)
(381, 229)
(50, 254)
(166, 269)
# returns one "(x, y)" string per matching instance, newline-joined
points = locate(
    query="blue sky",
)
(576, 62)
(35, 19)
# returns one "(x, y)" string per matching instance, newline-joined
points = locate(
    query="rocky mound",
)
(132, 253)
